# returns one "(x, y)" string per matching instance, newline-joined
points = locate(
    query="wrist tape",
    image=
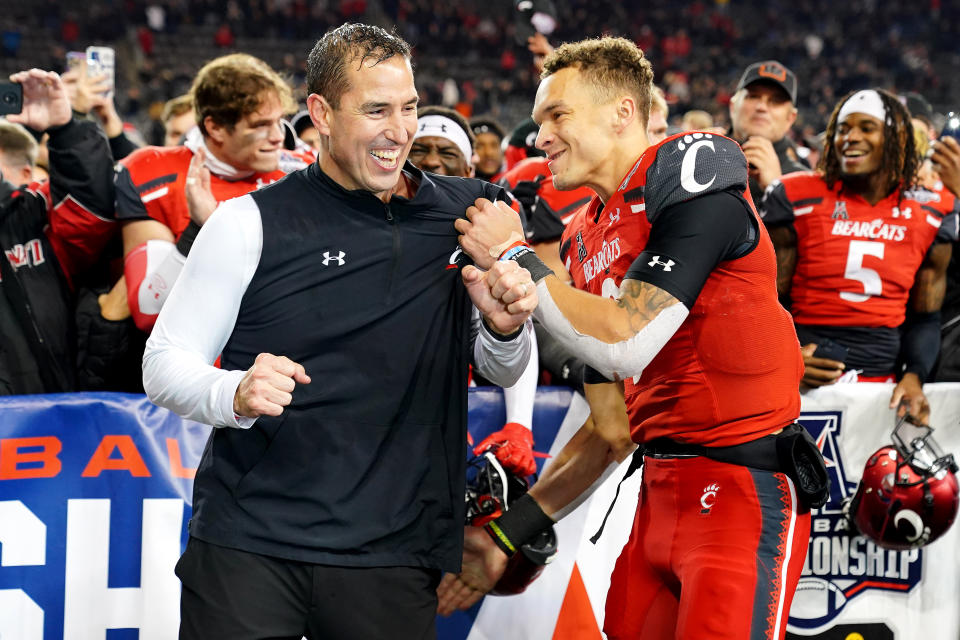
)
(524, 255)
(520, 524)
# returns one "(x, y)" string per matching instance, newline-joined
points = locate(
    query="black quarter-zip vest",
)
(366, 466)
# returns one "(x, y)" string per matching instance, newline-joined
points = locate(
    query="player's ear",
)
(626, 112)
(320, 112)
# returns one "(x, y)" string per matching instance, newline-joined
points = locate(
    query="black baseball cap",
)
(918, 106)
(772, 72)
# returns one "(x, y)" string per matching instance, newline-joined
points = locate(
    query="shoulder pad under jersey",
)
(689, 165)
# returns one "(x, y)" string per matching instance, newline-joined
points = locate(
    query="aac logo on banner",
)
(841, 564)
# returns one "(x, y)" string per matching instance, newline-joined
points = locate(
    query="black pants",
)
(245, 596)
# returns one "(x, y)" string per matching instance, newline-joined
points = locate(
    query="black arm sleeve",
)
(121, 146)
(81, 166)
(687, 240)
(920, 342)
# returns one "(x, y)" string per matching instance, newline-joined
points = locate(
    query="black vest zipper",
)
(395, 257)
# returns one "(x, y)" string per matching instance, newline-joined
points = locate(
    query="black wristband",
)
(187, 237)
(523, 521)
(529, 260)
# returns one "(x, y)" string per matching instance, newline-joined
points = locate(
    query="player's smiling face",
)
(574, 130)
(370, 132)
(858, 144)
(253, 143)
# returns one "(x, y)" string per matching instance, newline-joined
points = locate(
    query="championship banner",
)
(95, 494)
(850, 589)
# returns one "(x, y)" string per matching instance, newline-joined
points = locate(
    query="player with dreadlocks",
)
(862, 252)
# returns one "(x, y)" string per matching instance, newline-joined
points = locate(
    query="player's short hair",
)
(176, 107)
(231, 87)
(453, 114)
(658, 101)
(17, 145)
(327, 62)
(612, 65)
(697, 120)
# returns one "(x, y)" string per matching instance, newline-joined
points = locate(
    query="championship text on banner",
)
(95, 493)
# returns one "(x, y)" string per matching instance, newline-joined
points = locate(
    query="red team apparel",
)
(716, 549)
(856, 262)
(552, 208)
(731, 373)
(151, 185)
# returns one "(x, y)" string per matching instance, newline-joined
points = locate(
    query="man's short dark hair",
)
(487, 125)
(327, 62)
(435, 110)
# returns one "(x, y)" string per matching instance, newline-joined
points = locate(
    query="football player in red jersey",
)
(239, 102)
(676, 298)
(862, 252)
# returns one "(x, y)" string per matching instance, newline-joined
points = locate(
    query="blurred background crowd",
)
(467, 53)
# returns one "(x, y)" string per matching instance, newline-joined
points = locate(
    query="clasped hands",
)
(502, 290)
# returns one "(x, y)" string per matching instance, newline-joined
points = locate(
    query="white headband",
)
(867, 102)
(444, 127)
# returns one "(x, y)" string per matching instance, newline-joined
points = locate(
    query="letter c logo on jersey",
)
(689, 165)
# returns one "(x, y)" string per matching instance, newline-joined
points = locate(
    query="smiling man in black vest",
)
(330, 495)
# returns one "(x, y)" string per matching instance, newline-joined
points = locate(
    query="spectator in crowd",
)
(303, 127)
(489, 135)
(862, 253)
(236, 147)
(659, 112)
(762, 110)
(49, 234)
(443, 145)
(178, 118)
(696, 120)
(921, 112)
(946, 162)
(520, 143)
(338, 528)
(18, 154)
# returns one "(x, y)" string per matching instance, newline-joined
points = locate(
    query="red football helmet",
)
(490, 491)
(908, 494)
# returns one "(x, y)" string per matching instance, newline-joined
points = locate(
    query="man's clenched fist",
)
(267, 386)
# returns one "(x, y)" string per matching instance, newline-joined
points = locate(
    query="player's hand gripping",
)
(908, 396)
(483, 564)
(513, 446)
(505, 295)
(267, 386)
(488, 230)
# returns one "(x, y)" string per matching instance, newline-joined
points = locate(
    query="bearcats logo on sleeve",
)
(691, 164)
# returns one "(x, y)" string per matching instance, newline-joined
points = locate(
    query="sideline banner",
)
(95, 494)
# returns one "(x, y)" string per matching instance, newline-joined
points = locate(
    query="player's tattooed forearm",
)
(642, 302)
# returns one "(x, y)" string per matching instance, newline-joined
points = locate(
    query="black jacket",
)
(366, 465)
(49, 233)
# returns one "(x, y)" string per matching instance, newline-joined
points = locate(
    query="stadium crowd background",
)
(466, 53)
(469, 56)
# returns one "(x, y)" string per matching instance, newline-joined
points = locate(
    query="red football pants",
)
(715, 552)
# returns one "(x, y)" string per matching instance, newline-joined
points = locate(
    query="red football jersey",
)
(731, 372)
(153, 186)
(856, 262)
(563, 204)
